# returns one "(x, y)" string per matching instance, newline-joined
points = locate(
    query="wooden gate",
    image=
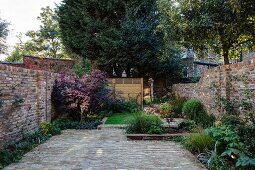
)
(130, 89)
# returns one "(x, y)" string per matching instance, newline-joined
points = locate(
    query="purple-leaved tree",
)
(77, 97)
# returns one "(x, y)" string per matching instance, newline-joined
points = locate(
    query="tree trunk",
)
(225, 45)
(118, 72)
(128, 71)
(225, 55)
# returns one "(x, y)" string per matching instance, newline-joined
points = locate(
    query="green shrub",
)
(131, 106)
(231, 120)
(49, 128)
(7, 157)
(178, 139)
(177, 105)
(119, 106)
(64, 124)
(82, 67)
(165, 109)
(233, 141)
(13, 152)
(217, 163)
(147, 101)
(157, 100)
(143, 123)
(194, 110)
(227, 139)
(250, 117)
(188, 125)
(198, 142)
(247, 135)
(206, 120)
(244, 131)
(245, 163)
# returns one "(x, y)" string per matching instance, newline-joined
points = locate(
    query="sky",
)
(22, 16)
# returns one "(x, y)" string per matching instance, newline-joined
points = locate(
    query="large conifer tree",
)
(119, 34)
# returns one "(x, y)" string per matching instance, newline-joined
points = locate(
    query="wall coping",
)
(53, 59)
(230, 66)
(24, 70)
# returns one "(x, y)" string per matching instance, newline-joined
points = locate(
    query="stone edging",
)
(154, 136)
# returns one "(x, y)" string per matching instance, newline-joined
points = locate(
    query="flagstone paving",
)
(105, 149)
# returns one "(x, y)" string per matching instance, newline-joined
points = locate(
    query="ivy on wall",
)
(230, 105)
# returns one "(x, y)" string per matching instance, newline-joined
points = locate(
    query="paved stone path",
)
(105, 150)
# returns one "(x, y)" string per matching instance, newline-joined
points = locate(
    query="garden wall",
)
(50, 64)
(25, 101)
(232, 82)
(45, 64)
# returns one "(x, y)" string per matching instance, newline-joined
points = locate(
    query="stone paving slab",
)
(105, 150)
(106, 126)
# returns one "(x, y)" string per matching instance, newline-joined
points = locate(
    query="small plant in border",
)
(198, 142)
(148, 124)
(165, 109)
(193, 109)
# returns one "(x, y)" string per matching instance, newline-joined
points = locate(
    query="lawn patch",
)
(121, 118)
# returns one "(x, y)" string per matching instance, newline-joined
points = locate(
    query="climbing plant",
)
(231, 105)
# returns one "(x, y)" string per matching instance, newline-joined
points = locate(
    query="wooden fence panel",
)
(130, 89)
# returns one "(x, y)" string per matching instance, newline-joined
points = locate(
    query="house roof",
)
(206, 63)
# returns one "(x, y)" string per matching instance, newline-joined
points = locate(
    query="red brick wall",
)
(13, 64)
(51, 65)
(223, 77)
(45, 64)
(34, 87)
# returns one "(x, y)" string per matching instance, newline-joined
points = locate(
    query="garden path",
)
(105, 149)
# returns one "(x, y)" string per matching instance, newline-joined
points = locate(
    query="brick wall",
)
(224, 81)
(51, 65)
(34, 87)
(45, 64)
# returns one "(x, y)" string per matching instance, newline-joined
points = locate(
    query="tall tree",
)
(45, 42)
(119, 34)
(19, 50)
(22, 48)
(139, 44)
(3, 34)
(220, 25)
(90, 27)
